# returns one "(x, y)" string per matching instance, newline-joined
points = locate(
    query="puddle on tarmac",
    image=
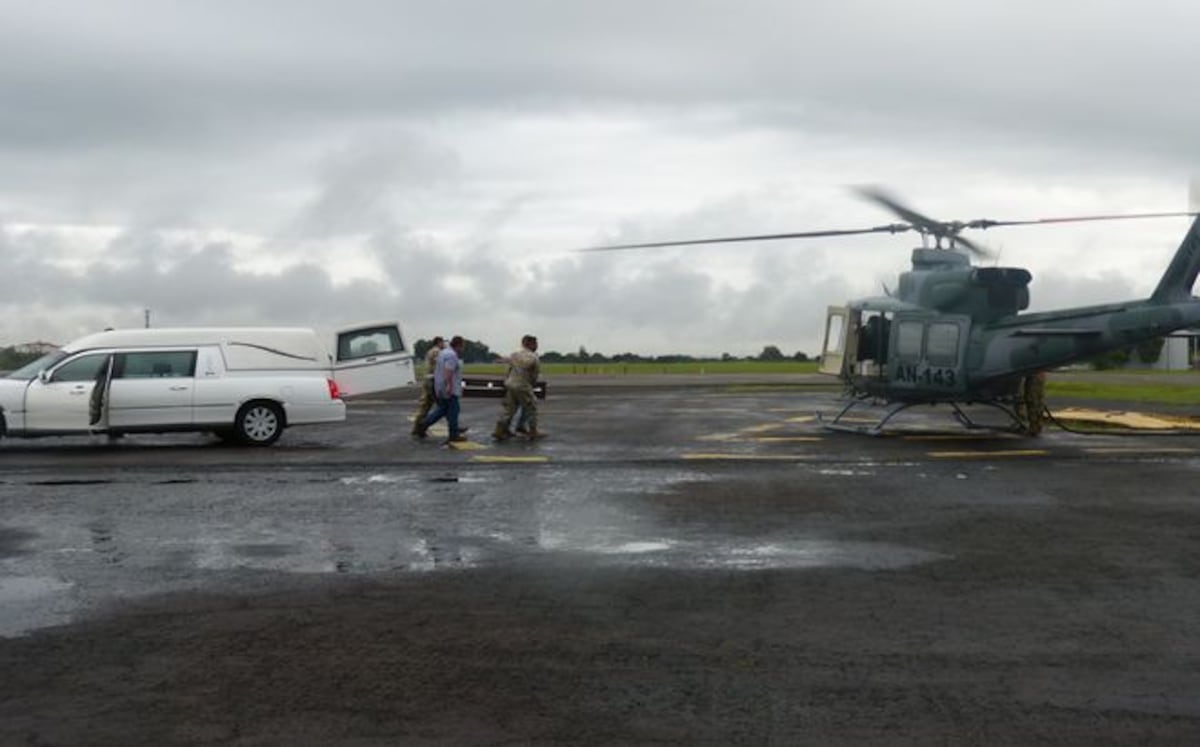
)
(700, 554)
(32, 602)
(570, 518)
(403, 479)
(65, 482)
(401, 522)
(22, 588)
(867, 556)
(264, 550)
(634, 548)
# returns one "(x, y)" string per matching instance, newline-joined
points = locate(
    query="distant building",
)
(1180, 351)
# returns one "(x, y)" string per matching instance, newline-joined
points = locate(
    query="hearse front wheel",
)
(259, 423)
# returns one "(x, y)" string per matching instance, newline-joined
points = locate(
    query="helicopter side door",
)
(927, 354)
(841, 341)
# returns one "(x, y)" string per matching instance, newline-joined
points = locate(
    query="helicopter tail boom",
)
(1177, 281)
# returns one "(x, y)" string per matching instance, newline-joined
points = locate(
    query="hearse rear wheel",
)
(259, 423)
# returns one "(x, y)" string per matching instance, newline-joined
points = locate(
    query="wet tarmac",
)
(726, 478)
(87, 521)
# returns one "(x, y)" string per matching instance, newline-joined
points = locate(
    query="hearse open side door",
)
(60, 399)
(370, 358)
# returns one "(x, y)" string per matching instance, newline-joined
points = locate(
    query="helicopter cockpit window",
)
(908, 340)
(941, 346)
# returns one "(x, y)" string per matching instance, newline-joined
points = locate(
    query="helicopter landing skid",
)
(870, 430)
(896, 408)
(1018, 426)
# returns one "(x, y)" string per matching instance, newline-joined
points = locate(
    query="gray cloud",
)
(455, 147)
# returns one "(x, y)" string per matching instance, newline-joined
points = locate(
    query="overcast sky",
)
(312, 163)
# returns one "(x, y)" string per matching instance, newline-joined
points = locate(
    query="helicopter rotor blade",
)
(923, 223)
(984, 223)
(881, 197)
(890, 228)
(950, 231)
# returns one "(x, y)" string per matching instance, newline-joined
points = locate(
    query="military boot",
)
(501, 433)
(535, 434)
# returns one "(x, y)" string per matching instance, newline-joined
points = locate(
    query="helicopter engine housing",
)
(946, 282)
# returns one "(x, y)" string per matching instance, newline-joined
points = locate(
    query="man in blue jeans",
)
(447, 391)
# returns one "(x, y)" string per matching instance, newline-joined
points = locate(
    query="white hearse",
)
(246, 384)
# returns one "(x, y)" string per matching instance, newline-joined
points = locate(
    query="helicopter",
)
(953, 333)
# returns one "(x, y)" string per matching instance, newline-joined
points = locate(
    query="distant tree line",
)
(477, 352)
(1147, 351)
(473, 351)
(11, 359)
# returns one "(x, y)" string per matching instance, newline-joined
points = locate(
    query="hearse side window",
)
(83, 368)
(362, 343)
(908, 339)
(156, 364)
(941, 347)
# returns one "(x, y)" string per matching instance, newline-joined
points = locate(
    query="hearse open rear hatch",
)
(371, 357)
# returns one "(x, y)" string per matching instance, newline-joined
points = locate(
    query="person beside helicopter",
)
(448, 391)
(1031, 402)
(425, 404)
(523, 371)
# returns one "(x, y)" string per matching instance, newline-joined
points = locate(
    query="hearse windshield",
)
(31, 370)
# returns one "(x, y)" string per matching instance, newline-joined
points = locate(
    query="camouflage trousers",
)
(424, 405)
(1031, 402)
(518, 398)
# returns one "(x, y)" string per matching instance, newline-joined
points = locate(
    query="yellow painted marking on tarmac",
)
(987, 454)
(802, 419)
(762, 428)
(1149, 450)
(465, 445)
(1139, 420)
(952, 437)
(497, 459)
(742, 457)
(746, 434)
(719, 437)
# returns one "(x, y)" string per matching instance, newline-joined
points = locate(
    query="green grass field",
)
(1149, 387)
(1143, 390)
(639, 369)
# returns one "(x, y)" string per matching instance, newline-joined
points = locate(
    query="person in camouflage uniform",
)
(523, 371)
(426, 402)
(1031, 402)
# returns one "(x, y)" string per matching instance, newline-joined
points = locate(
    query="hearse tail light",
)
(334, 392)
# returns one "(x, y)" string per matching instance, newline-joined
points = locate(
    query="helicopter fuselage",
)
(918, 356)
(953, 332)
